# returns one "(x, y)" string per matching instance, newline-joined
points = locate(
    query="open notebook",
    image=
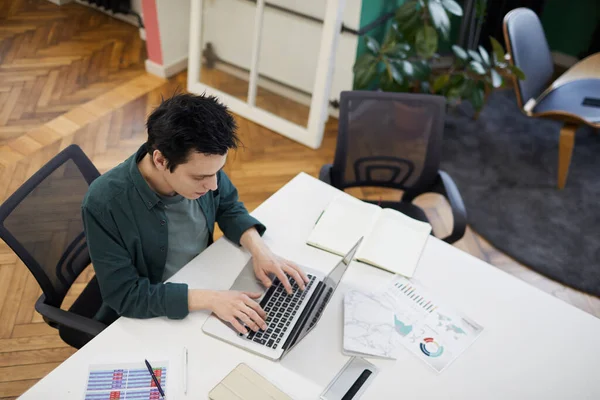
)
(392, 240)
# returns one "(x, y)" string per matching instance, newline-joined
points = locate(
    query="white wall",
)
(290, 45)
(174, 27)
(136, 5)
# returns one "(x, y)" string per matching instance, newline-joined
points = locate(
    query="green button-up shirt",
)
(127, 236)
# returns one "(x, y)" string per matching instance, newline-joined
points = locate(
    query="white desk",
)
(534, 346)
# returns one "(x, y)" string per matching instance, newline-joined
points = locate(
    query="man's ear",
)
(159, 160)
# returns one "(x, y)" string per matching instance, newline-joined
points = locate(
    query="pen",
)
(162, 394)
(185, 369)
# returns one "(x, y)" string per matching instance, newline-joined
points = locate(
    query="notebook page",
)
(342, 223)
(395, 242)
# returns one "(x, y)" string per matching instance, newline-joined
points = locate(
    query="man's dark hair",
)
(185, 123)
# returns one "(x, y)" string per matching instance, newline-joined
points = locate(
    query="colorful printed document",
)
(406, 314)
(132, 381)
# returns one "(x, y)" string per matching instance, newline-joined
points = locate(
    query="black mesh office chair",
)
(573, 98)
(41, 222)
(394, 140)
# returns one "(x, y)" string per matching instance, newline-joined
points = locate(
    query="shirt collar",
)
(149, 197)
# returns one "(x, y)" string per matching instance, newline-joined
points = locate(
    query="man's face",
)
(195, 177)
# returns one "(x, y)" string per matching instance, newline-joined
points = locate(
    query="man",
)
(149, 216)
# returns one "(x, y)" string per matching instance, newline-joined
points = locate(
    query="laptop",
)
(289, 317)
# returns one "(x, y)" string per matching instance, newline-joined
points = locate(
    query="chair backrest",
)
(388, 139)
(526, 43)
(42, 224)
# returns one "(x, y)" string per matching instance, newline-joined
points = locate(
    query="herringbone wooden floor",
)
(54, 58)
(109, 128)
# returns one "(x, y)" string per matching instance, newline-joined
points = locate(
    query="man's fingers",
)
(238, 327)
(294, 274)
(253, 295)
(256, 307)
(286, 284)
(300, 271)
(242, 315)
(260, 274)
(253, 315)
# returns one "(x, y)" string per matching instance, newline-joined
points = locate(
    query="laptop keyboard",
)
(281, 308)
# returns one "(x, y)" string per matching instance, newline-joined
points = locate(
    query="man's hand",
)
(269, 263)
(234, 307)
(265, 262)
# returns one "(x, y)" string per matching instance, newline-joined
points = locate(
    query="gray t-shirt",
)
(188, 232)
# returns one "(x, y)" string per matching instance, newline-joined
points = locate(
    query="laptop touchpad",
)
(247, 281)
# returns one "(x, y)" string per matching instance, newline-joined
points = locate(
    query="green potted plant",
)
(404, 61)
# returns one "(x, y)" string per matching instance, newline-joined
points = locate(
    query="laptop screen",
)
(335, 276)
(326, 290)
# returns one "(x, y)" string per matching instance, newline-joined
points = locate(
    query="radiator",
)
(116, 6)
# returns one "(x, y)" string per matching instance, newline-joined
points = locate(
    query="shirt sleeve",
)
(121, 286)
(232, 216)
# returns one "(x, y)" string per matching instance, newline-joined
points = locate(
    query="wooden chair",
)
(573, 99)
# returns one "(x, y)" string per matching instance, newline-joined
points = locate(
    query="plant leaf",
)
(406, 11)
(365, 60)
(498, 50)
(452, 7)
(484, 56)
(474, 55)
(395, 28)
(422, 70)
(517, 71)
(385, 82)
(455, 87)
(453, 93)
(462, 91)
(439, 17)
(364, 77)
(426, 41)
(394, 72)
(476, 98)
(456, 80)
(480, 9)
(372, 44)
(477, 67)
(389, 41)
(496, 79)
(410, 26)
(440, 82)
(365, 70)
(389, 84)
(408, 68)
(460, 53)
(399, 50)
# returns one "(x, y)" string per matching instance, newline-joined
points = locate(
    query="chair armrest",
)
(69, 319)
(445, 186)
(325, 173)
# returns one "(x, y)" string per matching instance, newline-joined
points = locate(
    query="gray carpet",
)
(505, 166)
